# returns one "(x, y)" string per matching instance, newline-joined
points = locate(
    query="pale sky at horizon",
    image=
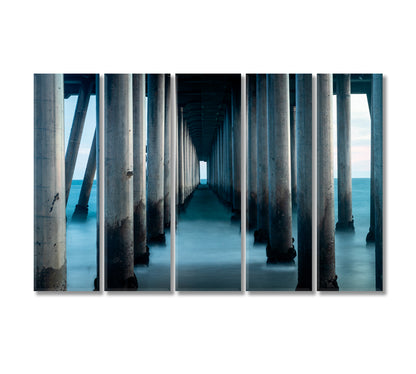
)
(87, 134)
(360, 136)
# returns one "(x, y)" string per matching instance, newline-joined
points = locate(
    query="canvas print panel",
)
(350, 182)
(208, 190)
(66, 193)
(279, 182)
(137, 132)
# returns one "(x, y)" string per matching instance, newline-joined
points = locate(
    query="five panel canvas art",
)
(191, 160)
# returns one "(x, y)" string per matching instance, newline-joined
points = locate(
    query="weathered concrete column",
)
(345, 218)
(230, 153)
(326, 225)
(262, 232)
(99, 100)
(377, 115)
(49, 173)
(76, 134)
(141, 250)
(304, 179)
(293, 157)
(118, 216)
(81, 209)
(236, 120)
(167, 161)
(252, 151)
(371, 234)
(155, 158)
(181, 161)
(280, 247)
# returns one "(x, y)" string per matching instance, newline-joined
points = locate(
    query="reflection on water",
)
(81, 249)
(208, 246)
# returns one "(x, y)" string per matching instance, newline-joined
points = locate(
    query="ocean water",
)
(81, 239)
(354, 258)
(208, 245)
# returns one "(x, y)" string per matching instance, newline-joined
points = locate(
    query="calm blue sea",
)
(354, 259)
(81, 242)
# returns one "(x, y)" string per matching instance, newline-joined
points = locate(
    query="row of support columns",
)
(326, 234)
(270, 198)
(187, 162)
(274, 128)
(137, 192)
(224, 162)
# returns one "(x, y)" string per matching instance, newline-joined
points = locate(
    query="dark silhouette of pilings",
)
(180, 158)
(252, 151)
(377, 117)
(81, 209)
(280, 247)
(76, 133)
(325, 220)
(345, 218)
(167, 161)
(262, 232)
(293, 155)
(304, 179)
(49, 174)
(155, 158)
(141, 250)
(119, 259)
(236, 121)
(371, 232)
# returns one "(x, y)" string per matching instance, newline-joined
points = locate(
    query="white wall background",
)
(216, 333)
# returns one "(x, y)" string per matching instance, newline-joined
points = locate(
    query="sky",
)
(360, 136)
(87, 134)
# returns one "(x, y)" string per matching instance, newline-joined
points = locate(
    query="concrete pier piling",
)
(167, 161)
(119, 245)
(261, 235)
(371, 234)
(377, 117)
(181, 159)
(252, 151)
(236, 120)
(49, 174)
(304, 179)
(327, 277)
(155, 158)
(141, 250)
(280, 247)
(81, 209)
(345, 218)
(293, 156)
(76, 134)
